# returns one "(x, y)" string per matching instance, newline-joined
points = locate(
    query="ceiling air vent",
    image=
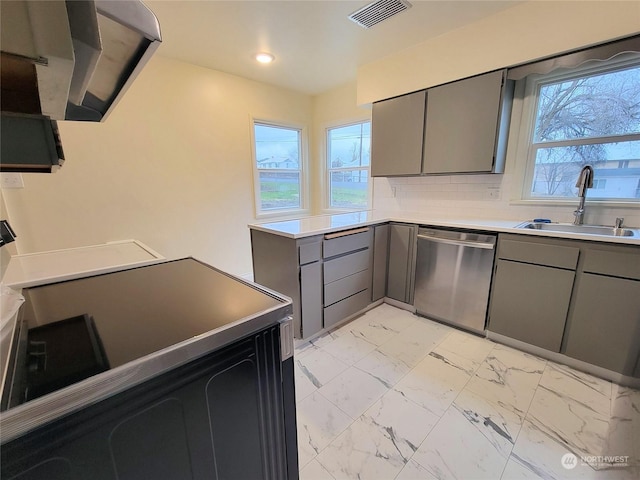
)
(376, 12)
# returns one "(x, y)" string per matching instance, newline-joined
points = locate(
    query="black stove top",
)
(76, 329)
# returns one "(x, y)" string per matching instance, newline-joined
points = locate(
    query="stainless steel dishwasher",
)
(453, 276)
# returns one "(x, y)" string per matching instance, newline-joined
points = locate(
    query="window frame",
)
(328, 208)
(261, 213)
(523, 125)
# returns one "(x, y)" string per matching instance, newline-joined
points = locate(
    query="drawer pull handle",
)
(331, 236)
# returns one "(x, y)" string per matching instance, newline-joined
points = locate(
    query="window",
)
(348, 161)
(587, 118)
(278, 168)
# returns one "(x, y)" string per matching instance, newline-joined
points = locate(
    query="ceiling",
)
(315, 44)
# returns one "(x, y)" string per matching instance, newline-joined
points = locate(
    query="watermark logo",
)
(569, 461)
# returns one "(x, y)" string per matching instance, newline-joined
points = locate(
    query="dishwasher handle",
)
(462, 243)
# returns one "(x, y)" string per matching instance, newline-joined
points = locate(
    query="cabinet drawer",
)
(623, 263)
(341, 310)
(345, 287)
(346, 242)
(310, 252)
(551, 255)
(344, 266)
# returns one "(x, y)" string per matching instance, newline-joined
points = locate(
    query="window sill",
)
(283, 215)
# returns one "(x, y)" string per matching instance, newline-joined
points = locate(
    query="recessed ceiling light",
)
(264, 57)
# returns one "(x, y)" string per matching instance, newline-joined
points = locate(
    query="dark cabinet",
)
(218, 417)
(402, 262)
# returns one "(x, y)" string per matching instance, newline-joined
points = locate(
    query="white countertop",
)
(321, 224)
(37, 268)
(32, 269)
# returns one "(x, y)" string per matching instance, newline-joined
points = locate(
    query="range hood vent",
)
(377, 12)
(74, 59)
(65, 60)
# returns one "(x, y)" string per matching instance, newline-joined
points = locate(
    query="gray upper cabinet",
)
(397, 128)
(462, 126)
(459, 127)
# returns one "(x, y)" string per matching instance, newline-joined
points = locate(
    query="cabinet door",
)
(604, 327)
(530, 303)
(400, 277)
(461, 125)
(380, 254)
(397, 128)
(311, 298)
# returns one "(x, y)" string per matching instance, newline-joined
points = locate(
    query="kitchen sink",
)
(588, 229)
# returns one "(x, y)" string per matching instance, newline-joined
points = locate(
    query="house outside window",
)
(586, 117)
(278, 169)
(348, 162)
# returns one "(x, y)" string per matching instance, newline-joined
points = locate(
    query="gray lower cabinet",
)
(380, 257)
(530, 303)
(532, 287)
(347, 273)
(604, 324)
(402, 262)
(328, 277)
(292, 267)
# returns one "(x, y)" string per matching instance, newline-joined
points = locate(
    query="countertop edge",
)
(498, 226)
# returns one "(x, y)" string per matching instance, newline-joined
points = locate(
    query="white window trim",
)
(521, 132)
(326, 181)
(304, 172)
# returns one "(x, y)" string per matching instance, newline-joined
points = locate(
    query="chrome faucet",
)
(585, 181)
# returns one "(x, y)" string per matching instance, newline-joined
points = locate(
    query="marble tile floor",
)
(392, 395)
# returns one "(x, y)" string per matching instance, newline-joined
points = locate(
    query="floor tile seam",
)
(336, 435)
(451, 405)
(424, 440)
(553, 364)
(331, 477)
(415, 320)
(526, 418)
(338, 407)
(337, 360)
(306, 396)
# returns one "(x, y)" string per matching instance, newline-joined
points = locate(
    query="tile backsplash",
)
(481, 197)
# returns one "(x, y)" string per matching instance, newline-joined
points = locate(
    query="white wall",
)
(524, 32)
(519, 34)
(170, 167)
